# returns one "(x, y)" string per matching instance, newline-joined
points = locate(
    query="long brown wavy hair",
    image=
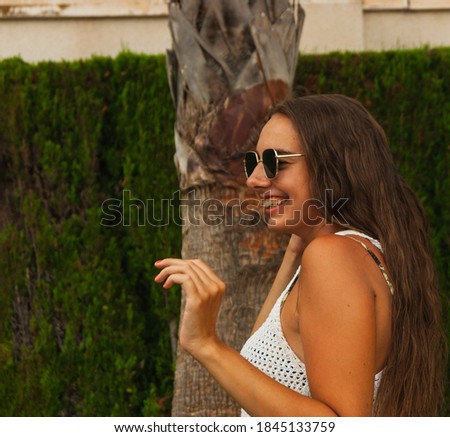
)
(347, 152)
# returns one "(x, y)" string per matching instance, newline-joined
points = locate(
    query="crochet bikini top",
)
(268, 350)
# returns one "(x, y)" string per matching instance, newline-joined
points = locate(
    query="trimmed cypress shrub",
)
(84, 330)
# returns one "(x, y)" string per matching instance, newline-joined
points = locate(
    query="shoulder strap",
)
(290, 286)
(377, 261)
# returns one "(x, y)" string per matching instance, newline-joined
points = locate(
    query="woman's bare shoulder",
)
(334, 262)
(330, 245)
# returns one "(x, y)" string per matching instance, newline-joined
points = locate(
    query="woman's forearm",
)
(289, 265)
(256, 393)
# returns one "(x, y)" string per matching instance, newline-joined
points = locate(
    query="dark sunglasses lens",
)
(270, 163)
(250, 163)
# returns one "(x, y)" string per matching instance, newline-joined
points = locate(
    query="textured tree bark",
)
(230, 62)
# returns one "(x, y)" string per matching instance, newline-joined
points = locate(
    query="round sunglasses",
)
(269, 159)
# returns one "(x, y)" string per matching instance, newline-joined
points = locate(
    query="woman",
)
(351, 325)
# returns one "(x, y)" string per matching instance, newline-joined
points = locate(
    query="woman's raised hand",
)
(296, 245)
(203, 294)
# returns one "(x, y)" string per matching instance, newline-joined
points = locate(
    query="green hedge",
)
(83, 329)
(91, 336)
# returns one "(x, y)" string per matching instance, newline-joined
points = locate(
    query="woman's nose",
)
(258, 178)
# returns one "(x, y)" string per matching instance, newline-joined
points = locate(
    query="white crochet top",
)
(268, 350)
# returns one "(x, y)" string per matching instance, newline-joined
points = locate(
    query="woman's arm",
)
(289, 265)
(257, 393)
(337, 322)
(337, 325)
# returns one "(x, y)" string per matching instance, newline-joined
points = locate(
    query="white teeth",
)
(270, 203)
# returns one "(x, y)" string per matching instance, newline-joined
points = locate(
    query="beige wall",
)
(81, 8)
(73, 29)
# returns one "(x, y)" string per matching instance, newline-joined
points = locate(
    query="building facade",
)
(75, 29)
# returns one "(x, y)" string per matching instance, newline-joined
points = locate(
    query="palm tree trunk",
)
(230, 62)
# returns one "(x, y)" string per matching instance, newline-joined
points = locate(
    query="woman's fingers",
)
(296, 244)
(208, 272)
(203, 279)
(203, 292)
(176, 278)
(170, 267)
(207, 281)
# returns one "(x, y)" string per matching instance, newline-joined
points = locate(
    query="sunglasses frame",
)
(258, 160)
